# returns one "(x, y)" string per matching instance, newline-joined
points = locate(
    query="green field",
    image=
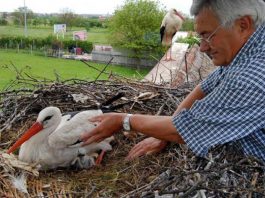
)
(95, 35)
(46, 67)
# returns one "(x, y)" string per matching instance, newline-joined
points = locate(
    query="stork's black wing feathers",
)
(112, 108)
(77, 142)
(113, 99)
(108, 107)
(162, 32)
(105, 107)
(71, 114)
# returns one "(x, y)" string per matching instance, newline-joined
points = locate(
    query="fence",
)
(48, 45)
(103, 54)
(49, 52)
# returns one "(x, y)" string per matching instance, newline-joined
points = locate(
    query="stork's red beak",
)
(180, 16)
(34, 129)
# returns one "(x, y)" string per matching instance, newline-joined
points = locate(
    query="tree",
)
(188, 24)
(3, 19)
(135, 26)
(18, 15)
(67, 17)
(36, 21)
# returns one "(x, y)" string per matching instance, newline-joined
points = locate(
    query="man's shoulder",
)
(252, 75)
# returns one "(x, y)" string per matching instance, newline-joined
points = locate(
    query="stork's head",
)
(49, 117)
(175, 12)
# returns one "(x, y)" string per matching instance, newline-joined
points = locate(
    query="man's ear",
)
(246, 26)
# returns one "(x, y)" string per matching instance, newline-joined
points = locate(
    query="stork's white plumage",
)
(53, 140)
(171, 23)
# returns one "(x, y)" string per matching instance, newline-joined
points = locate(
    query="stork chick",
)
(171, 23)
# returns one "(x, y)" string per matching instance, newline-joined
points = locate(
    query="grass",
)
(95, 35)
(46, 67)
(98, 35)
(39, 32)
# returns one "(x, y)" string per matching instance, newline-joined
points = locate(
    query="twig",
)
(103, 70)
(253, 182)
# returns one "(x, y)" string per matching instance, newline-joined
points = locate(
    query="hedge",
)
(40, 43)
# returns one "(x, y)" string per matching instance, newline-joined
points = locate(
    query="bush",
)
(191, 40)
(40, 43)
(85, 45)
(3, 22)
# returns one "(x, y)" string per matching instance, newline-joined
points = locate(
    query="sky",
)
(83, 6)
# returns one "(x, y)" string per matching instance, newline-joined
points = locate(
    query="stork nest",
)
(175, 172)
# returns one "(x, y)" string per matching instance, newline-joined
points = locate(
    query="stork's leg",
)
(166, 59)
(170, 55)
(100, 157)
(170, 52)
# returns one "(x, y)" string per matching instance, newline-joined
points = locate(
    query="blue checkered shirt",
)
(234, 107)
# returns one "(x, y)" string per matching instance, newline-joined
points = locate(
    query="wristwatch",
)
(126, 123)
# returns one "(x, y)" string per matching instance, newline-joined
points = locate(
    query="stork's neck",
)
(180, 16)
(46, 132)
(42, 136)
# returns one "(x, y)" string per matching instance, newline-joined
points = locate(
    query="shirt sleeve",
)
(228, 113)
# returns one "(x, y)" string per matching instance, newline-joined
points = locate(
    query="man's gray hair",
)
(227, 11)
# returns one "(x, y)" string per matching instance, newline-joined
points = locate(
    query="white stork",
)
(171, 23)
(53, 140)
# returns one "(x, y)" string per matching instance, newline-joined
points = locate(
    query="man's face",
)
(219, 43)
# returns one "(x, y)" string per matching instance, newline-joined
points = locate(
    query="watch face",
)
(126, 123)
(126, 126)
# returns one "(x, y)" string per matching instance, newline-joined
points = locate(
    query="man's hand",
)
(108, 124)
(147, 146)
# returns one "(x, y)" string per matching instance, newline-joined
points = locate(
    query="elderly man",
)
(229, 106)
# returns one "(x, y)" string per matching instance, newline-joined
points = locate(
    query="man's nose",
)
(204, 46)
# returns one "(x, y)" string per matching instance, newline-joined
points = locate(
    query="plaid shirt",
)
(234, 107)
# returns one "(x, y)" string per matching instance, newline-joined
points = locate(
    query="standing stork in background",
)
(53, 140)
(171, 23)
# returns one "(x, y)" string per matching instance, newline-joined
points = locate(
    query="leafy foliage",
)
(18, 15)
(135, 26)
(67, 17)
(191, 40)
(39, 43)
(188, 24)
(3, 19)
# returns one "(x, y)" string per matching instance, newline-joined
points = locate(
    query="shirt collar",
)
(256, 42)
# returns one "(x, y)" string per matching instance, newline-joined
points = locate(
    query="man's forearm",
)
(160, 127)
